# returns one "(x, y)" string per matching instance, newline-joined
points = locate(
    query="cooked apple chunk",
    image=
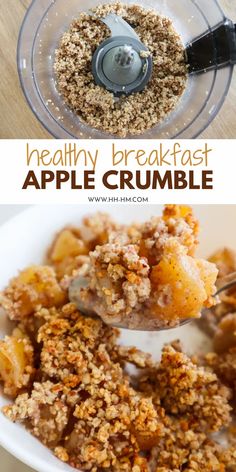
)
(181, 287)
(33, 288)
(72, 242)
(16, 363)
(65, 250)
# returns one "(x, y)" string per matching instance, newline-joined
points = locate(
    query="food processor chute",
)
(215, 48)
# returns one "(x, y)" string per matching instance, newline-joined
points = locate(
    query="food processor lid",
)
(216, 48)
(122, 63)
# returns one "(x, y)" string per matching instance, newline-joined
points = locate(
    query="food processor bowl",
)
(41, 31)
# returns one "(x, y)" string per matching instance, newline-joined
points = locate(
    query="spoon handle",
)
(226, 283)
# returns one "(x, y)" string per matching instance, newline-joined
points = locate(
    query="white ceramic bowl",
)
(23, 241)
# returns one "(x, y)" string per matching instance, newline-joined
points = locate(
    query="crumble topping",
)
(96, 417)
(69, 379)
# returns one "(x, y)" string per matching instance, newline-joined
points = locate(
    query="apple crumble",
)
(97, 107)
(68, 376)
(220, 323)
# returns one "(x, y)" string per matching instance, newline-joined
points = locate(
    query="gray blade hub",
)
(122, 63)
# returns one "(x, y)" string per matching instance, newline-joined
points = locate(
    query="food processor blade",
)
(216, 48)
(119, 27)
(122, 64)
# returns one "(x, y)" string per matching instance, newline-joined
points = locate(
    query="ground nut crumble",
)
(68, 378)
(96, 106)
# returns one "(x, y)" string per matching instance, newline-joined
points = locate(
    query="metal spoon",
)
(134, 322)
